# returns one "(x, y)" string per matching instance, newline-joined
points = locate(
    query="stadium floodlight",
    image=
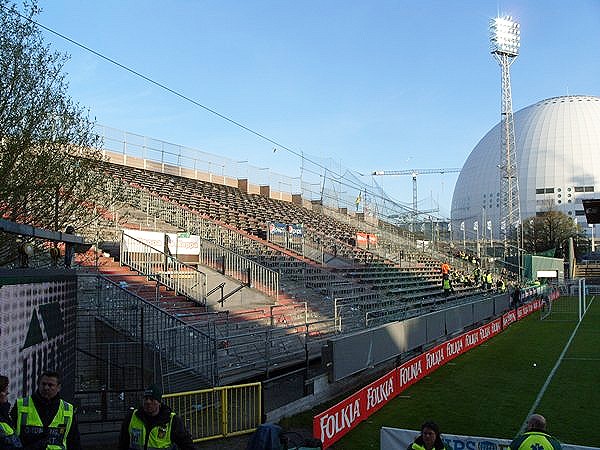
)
(505, 36)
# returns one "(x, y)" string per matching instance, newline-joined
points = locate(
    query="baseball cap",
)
(153, 391)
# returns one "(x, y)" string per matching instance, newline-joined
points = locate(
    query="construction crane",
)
(414, 173)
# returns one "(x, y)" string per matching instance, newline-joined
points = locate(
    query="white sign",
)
(178, 245)
(184, 245)
(154, 239)
(400, 439)
(547, 274)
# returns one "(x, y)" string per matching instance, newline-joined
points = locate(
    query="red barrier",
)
(332, 424)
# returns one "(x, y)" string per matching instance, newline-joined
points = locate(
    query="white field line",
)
(551, 374)
(581, 359)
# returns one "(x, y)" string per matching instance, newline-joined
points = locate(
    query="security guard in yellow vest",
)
(489, 280)
(535, 437)
(44, 420)
(8, 438)
(154, 426)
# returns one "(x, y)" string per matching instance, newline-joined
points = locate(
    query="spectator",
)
(429, 438)
(69, 248)
(535, 437)
(489, 280)
(447, 285)
(500, 286)
(445, 268)
(54, 255)
(44, 420)
(545, 302)
(516, 296)
(8, 438)
(154, 425)
(167, 252)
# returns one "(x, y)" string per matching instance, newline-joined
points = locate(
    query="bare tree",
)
(547, 230)
(50, 170)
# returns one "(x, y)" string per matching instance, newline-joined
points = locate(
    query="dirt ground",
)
(104, 442)
(98, 442)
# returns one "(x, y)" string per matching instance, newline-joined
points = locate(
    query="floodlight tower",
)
(505, 40)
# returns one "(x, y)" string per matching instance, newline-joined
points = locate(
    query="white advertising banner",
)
(400, 439)
(184, 244)
(154, 239)
(179, 244)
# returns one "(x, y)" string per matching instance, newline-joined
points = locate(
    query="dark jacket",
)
(4, 414)
(11, 442)
(179, 435)
(418, 444)
(47, 409)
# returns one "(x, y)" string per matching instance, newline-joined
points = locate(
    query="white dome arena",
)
(558, 159)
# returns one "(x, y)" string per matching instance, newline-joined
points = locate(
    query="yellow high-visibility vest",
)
(158, 438)
(28, 419)
(8, 437)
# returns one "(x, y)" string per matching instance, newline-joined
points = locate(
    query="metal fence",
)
(153, 263)
(185, 347)
(218, 412)
(330, 188)
(239, 267)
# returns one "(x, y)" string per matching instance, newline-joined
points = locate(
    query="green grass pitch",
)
(490, 390)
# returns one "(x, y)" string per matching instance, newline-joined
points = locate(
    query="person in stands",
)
(429, 439)
(447, 285)
(445, 268)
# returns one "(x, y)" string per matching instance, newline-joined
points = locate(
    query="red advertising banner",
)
(335, 422)
(372, 240)
(380, 392)
(411, 371)
(362, 239)
(528, 308)
(508, 318)
(366, 240)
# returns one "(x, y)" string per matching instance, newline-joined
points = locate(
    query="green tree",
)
(547, 230)
(49, 168)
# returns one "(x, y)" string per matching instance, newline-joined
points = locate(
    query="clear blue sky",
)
(375, 85)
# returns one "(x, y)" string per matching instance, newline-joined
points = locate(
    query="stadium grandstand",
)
(244, 295)
(199, 280)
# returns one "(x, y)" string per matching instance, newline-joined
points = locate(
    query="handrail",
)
(142, 320)
(167, 270)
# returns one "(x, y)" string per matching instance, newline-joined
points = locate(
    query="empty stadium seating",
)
(316, 298)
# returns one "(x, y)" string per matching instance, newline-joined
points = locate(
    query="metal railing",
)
(218, 412)
(155, 264)
(239, 267)
(187, 346)
(311, 184)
